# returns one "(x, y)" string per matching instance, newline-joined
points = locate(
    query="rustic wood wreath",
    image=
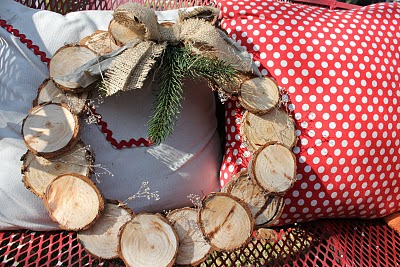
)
(57, 165)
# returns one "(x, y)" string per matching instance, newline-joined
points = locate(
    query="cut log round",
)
(66, 61)
(272, 212)
(49, 93)
(148, 240)
(276, 125)
(246, 189)
(50, 130)
(73, 201)
(193, 248)
(266, 234)
(225, 221)
(101, 42)
(225, 188)
(101, 239)
(39, 172)
(123, 35)
(273, 167)
(259, 95)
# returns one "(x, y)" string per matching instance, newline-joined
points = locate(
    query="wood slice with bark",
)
(100, 41)
(148, 240)
(276, 125)
(273, 167)
(225, 221)
(66, 61)
(272, 212)
(246, 189)
(259, 95)
(73, 201)
(225, 188)
(50, 130)
(101, 239)
(123, 35)
(193, 248)
(39, 172)
(48, 92)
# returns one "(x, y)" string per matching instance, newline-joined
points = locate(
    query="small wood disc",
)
(259, 95)
(101, 42)
(39, 172)
(101, 239)
(148, 240)
(272, 211)
(273, 167)
(73, 201)
(225, 221)
(276, 126)
(225, 188)
(123, 35)
(66, 61)
(246, 189)
(50, 130)
(49, 93)
(193, 248)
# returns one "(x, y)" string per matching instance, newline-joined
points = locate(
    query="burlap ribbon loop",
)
(206, 13)
(129, 70)
(138, 18)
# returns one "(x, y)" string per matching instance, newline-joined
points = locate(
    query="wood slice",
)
(39, 172)
(123, 35)
(276, 125)
(225, 221)
(225, 188)
(49, 93)
(259, 95)
(101, 239)
(273, 167)
(50, 130)
(193, 248)
(244, 188)
(101, 42)
(73, 201)
(266, 234)
(66, 61)
(272, 212)
(148, 240)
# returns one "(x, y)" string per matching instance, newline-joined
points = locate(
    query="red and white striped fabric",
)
(341, 70)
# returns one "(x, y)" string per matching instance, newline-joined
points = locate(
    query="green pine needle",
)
(170, 93)
(178, 62)
(215, 70)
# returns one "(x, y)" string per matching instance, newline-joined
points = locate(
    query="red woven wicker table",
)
(321, 243)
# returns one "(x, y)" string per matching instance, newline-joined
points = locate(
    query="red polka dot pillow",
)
(340, 72)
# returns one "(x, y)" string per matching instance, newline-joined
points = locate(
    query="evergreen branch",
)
(167, 103)
(178, 62)
(215, 70)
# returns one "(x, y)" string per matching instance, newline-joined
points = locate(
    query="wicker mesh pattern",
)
(325, 243)
(65, 6)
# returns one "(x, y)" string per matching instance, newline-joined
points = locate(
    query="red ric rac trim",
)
(103, 125)
(109, 134)
(23, 39)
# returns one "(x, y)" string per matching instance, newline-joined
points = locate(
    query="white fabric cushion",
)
(187, 163)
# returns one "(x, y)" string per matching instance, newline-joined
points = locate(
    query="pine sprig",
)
(178, 62)
(170, 93)
(215, 70)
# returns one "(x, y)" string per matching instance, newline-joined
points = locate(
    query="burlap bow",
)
(129, 69)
